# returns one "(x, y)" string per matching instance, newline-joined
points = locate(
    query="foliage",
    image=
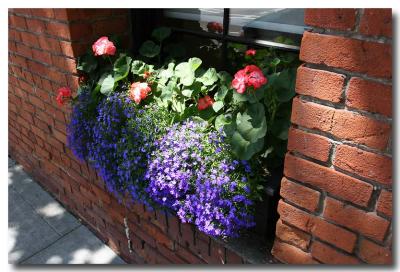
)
(188, 143)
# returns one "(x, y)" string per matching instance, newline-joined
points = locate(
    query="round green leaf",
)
(209, 77)
(185, 73)
(149, 49)
(194, 63)
(161, 33)
(121, 67)
(106, 83)
(217, 106)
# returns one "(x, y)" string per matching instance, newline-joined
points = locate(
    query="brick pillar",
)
(43, 47)
(336, 204)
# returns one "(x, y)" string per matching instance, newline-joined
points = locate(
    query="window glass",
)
(202, 19)
(277, 25)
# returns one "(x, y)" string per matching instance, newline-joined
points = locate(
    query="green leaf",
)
(221, 93)
(285, 85)
(252, 124)
(87, 63)
(194, 63)
(185, 73)
(225, 77)
(178, 105)
(244, 149)
(209, 77)
(275, 62)
(149, 49)
(121, 67)
(138, 67)
(217, 106)
(106, 83)
(221, 121)
(166, 74)
(187, 92)
(161, 33)
(237, 97)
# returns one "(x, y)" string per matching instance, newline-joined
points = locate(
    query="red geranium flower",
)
(255, 76)
(251, 52)
(139, 91)
(214, 27)
(103, 47)
(63, 93)
(251, 75)
(205, 102)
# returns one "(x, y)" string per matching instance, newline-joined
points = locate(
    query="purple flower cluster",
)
(193, 173)
(116, 139)
(80, 127)
(186, 167)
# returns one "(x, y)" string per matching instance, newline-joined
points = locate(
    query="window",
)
(213, 35)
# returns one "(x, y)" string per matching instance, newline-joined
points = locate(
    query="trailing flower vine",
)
(176, 135)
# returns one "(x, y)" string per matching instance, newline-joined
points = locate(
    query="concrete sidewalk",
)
(41, 231)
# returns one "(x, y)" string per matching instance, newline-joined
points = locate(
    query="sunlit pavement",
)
(41, 231)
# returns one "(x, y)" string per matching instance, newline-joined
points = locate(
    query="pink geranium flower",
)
(103, 46)
(251, 75)
(139, 91)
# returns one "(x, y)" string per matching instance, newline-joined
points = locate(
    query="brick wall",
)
(336, 194)
(336, 205)
(43, 46)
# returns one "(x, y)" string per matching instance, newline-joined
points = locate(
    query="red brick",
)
(290, 254)
(371, 58)
(41, 56)
(29, 39)
(58, 29)
(35, 25)
(320, 84)
(24, 11)
(292, 235)
(17, 21)
(49, 44)
(376, 22)
(14, 35)
(329, 180)
(233, 258)
(300, 195)
(64, 63)
(294, 216)
(310, 145)
(369, 96)
(61, 14)
(366, 223)
(334, 235)
(374, 254)
(338, 18)
(59, 135)
(329, 255)
(365, 164)
(341, 123)
(384, 204)
(24, 50)
(42, 12)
